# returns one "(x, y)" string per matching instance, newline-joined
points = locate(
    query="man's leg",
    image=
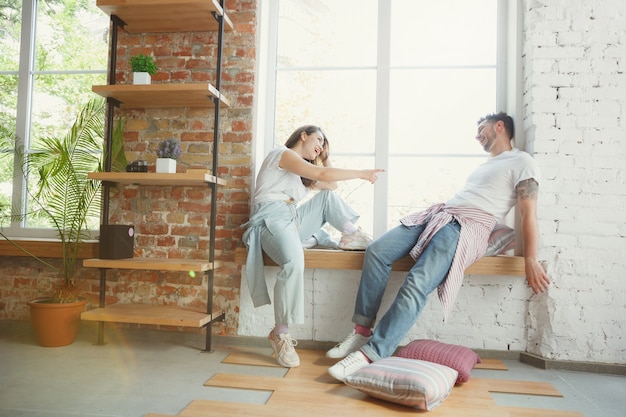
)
(379, 257)
(428, 272)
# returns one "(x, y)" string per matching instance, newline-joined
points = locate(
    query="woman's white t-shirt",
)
(275, 183)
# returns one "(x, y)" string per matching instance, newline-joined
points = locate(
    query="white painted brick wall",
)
(578, 48)
(575, 123)
(489, 314)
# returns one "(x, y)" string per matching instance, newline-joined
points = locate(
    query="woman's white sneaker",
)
(358, 240)
(283, 346)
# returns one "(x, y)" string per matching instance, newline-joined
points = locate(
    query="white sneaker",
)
(351, 343)
(352, 363)
(358, 240)
(309, 243)
(283, 346)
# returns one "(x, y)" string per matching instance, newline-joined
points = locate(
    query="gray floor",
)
(140, 372)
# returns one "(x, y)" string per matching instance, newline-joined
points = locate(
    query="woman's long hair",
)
(319, 160)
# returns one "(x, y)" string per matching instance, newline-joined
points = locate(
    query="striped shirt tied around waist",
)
(476, 226)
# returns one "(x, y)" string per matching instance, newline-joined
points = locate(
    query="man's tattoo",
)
(527, 189)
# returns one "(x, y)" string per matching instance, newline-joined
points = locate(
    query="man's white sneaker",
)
(358, 240)
(351, 343)
(283, 346)
(352, 363)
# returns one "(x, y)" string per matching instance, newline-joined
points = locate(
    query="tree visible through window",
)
(396, 84)
(53, 51)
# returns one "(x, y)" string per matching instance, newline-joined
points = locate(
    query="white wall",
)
(575, 121)
(489, 313)
(575, 124)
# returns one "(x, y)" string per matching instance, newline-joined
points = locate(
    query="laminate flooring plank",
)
(308, 391)
(541, 412)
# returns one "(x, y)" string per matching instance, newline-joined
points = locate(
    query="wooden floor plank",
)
(541, 412)
(255, 382)
(520, 387)
(308, 391)
(251, 358)
(159, 415)
(491, 364)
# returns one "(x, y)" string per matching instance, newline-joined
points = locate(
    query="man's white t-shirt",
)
(484, 187)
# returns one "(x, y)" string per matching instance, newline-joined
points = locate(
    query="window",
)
(395, 84)
(53, 52)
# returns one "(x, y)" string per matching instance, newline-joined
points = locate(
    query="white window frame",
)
(508, 75)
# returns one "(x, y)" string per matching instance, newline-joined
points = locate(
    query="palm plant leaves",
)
(59, 187)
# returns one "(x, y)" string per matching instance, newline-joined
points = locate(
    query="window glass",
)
(344, 111)
(70, 41)
(443, 33)
(398, 81)
(327, 33)
(435, 111)
(46, 71)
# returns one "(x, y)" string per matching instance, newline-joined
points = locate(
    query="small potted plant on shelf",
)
(63, 196)
(169, 151)
(143, 67)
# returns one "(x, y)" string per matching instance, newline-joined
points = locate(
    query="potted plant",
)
(167, 154)
(143, 67)
(62, 195)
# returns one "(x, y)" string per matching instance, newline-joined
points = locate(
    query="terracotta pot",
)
(55, 324)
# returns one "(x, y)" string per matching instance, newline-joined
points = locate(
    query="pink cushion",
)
(501, 240)
(459, 358)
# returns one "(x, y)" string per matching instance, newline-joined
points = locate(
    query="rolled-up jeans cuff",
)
(363, 321)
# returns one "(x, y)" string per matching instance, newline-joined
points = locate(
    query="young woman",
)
(278, 226)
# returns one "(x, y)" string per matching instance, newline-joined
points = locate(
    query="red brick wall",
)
(174, 221)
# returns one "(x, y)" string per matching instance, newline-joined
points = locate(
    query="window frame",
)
(508, 87)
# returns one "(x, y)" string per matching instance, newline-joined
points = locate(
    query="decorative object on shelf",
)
(116, 241)
(143, 67)
(169, 151)
(138, 165)
(62, 195)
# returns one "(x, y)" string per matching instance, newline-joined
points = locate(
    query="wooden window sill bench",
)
(46, 248)
(338, 259)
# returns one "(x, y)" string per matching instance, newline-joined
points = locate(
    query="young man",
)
(444, 240)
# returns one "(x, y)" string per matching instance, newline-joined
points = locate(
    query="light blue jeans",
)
(423, 278)
(285, 248)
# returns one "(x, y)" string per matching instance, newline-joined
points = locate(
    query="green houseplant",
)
(62, 195)
(143, 67)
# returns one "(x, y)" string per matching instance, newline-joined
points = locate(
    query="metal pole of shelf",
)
(116, 23)
(216, 140)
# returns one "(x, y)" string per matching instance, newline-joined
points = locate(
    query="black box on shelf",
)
(116, 241)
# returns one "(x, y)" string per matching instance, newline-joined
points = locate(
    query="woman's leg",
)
(324, 207)
(428, 272)
(285, 249)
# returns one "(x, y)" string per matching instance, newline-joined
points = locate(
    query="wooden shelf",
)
(143, 16)
(154, 264)
(133, 96)
(148, 314)
(191, 177)
(338, 259)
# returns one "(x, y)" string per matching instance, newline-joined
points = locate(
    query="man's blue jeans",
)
(429, 271)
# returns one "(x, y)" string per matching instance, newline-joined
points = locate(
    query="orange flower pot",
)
(55, 324)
